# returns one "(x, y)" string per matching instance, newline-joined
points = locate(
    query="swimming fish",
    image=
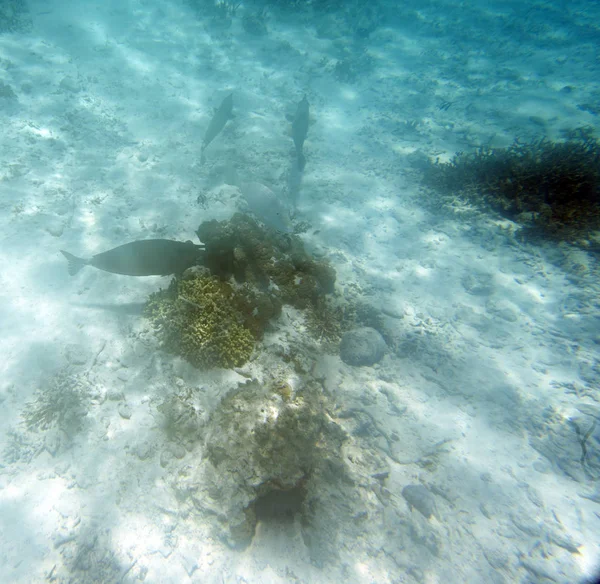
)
(219, 119)
(147, 257)
(300, 129)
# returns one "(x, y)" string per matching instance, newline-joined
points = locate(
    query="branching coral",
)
(327, 321)
(60, 404)
(200, 318)
(553, 186)
(331, 317)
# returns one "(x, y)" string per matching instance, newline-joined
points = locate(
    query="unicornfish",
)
(148, 257)
(299, 130)
(219, 119)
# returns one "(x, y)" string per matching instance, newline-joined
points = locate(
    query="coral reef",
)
(215, 313)
(220, 12)
(254, 23)
(266, 260)
(207, 321)
(6, 91)
(551, 187)
(272, 455)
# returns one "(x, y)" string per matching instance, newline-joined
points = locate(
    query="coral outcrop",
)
(265, 259)
(552, 187)
(275, 454)
(208, 321)
(215, 313)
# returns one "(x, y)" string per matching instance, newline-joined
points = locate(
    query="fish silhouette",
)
(148, 257)
(217, 123)
(300, 129)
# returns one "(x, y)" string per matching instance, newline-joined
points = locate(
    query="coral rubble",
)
(61, 404)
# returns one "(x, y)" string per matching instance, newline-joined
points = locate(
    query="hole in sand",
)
(280, 505)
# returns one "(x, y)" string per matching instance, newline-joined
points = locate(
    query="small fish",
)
(219, 119)
(299, 130)
(148, 257)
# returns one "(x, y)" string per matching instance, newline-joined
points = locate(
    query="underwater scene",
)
(299, 291)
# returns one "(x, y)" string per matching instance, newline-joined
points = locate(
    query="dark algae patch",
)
(551, 188)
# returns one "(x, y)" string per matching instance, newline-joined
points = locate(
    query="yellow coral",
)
(199, 318)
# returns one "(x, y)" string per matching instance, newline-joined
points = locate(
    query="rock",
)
(177, 450)
(362, 346)
(124, 410)
(144, 450)
(589, 409)
(572, 445)
(254, 24)
(115, 395)
(76, 355)
(267, 460)
(502, 309)
(421, 499)
(165, 457)
(478, 283)
(55, 227)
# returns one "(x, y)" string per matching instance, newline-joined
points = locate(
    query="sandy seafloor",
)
(494, 368)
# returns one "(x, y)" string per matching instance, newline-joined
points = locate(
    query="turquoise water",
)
(372, 372)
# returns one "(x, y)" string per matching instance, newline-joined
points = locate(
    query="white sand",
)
(101, 146)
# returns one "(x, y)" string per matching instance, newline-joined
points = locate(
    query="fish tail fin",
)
(75, 263)
(301, 161)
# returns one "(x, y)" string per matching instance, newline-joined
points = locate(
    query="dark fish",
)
(218, 122)
(300, 129)
(149, 257)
